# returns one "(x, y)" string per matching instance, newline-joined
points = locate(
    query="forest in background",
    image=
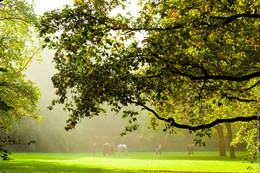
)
(50, 135)
(203, 90)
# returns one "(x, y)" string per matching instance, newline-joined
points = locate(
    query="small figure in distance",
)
(157, 151)
(160, 149)
(190, 149)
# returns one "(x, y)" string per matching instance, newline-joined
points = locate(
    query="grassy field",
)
(134, 162)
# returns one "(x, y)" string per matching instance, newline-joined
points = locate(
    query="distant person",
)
(160, 149)
(190, 149)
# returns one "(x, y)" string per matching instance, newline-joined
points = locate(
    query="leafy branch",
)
(220, 77)
(193, 128)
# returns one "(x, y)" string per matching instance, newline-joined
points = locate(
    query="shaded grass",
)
(134, 162)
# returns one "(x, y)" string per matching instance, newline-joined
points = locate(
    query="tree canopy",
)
(18, 46)
(194, 57)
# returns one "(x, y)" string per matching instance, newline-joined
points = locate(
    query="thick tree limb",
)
(209, 125)
(178, 26)
(194, 128)
(234, 17)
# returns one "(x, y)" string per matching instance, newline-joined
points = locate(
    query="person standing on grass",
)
(160, 149)
(188, 149)
(191, 149)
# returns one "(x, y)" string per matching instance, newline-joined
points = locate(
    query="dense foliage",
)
(18, 96)
(195, 61)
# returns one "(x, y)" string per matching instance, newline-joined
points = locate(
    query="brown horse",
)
(108, 149)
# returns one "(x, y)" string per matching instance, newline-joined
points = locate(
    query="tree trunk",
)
(221, 139)
(231, 148)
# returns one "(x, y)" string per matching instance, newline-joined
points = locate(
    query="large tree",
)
(18, 46)
(190, 53)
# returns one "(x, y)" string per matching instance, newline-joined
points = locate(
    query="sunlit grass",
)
(134, 162)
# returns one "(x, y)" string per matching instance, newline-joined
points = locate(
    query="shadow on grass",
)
(181, 156)
(208, 158)
(52, 167)
(42, 167)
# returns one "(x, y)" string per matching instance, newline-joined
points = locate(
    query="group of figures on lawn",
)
(109, 149)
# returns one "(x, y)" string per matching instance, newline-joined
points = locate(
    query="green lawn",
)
(134, 162)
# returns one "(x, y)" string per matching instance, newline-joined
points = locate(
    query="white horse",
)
(122, 148)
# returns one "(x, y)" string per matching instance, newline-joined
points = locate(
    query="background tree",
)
(222, 150)
(191, 52)
(18, 46)
(231, 147)
(247, 133)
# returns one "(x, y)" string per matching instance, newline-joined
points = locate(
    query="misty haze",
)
(129, 86)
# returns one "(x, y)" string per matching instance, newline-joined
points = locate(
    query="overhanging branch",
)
(235, 17)
(205, 126)
(194, 128)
